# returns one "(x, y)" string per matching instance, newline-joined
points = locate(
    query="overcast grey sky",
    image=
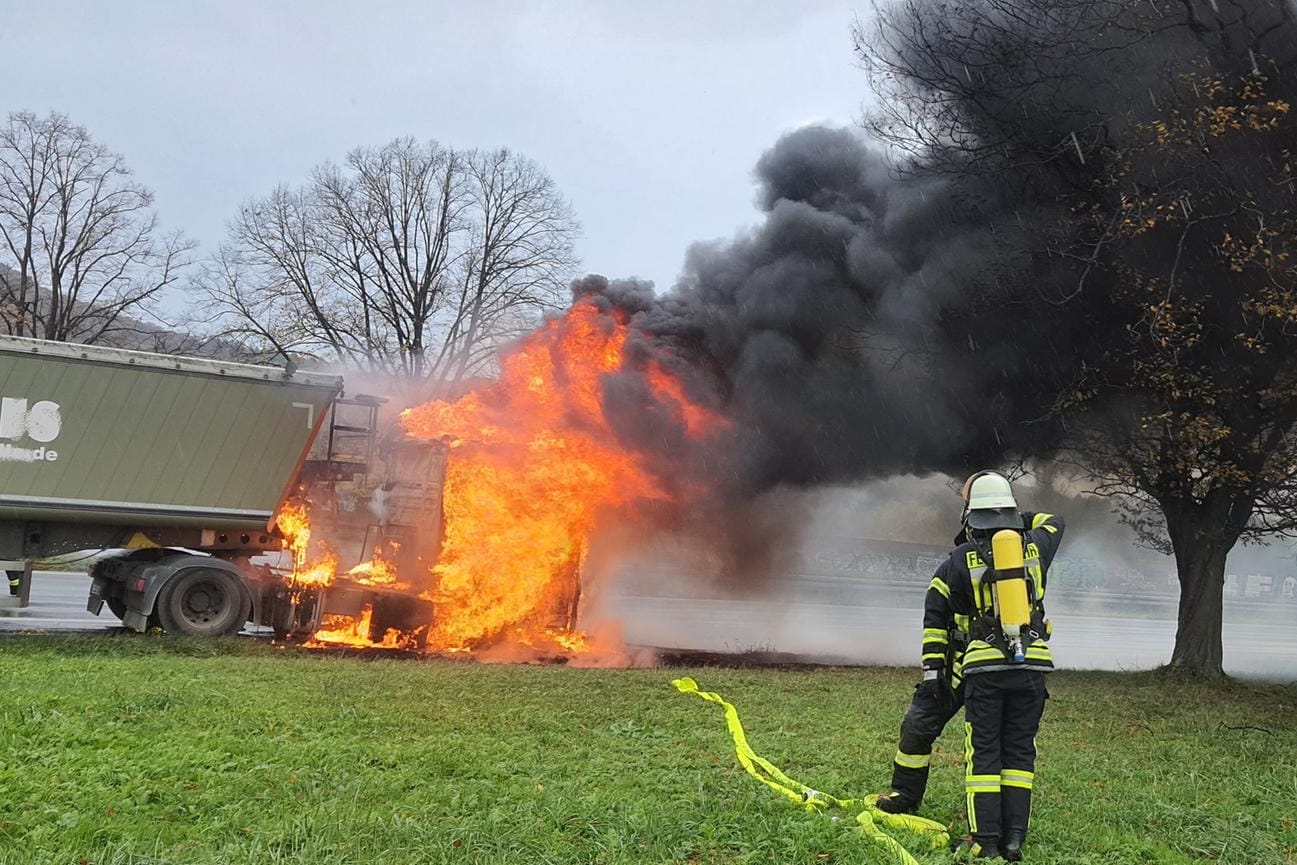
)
(649, 115)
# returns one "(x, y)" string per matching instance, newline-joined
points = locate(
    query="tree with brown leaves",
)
(1138, 162)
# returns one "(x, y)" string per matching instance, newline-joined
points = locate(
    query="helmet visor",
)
(995, 518)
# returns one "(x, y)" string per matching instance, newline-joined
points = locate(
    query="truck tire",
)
(203, 602)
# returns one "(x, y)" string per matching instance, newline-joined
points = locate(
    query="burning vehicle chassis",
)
(366, 614)
(178, 479)
(355, 614)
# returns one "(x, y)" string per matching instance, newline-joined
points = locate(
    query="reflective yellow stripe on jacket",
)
(981, 655)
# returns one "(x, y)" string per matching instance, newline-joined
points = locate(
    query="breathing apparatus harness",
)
(1015, 617)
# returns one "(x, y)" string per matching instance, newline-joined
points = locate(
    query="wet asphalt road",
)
(58, 603)
(845, 633)
(832, 632)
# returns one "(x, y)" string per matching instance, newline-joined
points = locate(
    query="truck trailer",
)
(166, 474)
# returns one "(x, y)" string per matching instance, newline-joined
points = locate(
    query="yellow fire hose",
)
(868, 818)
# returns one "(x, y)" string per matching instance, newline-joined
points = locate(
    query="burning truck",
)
(203, 494)
(183, 486)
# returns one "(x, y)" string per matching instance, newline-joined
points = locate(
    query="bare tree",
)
(80, 241)
(519, 254)
(410, 259)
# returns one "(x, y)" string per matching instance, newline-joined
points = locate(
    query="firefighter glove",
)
(937, 688)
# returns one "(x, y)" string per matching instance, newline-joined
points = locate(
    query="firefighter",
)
(15, 582)
(997, 579)
(936, 700)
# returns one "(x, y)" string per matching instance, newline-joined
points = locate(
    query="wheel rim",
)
(204, 602)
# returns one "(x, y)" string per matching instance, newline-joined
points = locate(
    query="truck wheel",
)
(203, 602)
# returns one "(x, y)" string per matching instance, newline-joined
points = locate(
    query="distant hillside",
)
(132, 333)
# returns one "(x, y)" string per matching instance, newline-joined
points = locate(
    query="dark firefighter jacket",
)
(960, 599)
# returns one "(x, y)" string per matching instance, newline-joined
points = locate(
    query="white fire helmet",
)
(990, 503)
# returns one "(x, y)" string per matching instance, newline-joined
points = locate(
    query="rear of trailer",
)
(179, 465)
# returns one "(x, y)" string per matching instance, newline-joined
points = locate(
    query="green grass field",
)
(157, 750)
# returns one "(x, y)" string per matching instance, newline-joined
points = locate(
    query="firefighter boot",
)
(1011, 845)
(893, 802)
(975, 847)
(1015, 815)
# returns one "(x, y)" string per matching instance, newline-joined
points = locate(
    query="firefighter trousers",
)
(1002, 713)
(922, 725)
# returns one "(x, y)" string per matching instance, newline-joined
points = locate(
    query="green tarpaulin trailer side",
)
(167, 473)
(101, 435)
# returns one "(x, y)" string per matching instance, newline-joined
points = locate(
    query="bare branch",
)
(407, 259)
(81, 255)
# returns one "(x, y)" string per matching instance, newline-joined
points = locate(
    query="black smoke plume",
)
(819, 335)
(916, 315)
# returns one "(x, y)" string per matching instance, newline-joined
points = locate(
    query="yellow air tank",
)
(1011, 587)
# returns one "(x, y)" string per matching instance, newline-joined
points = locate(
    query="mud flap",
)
(95, 602)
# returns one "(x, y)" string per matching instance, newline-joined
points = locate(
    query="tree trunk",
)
(1201, 545)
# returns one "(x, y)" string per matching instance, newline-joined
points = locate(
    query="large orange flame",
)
(534, 464)
(378, 571)
(295, 525)
(355, 631)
